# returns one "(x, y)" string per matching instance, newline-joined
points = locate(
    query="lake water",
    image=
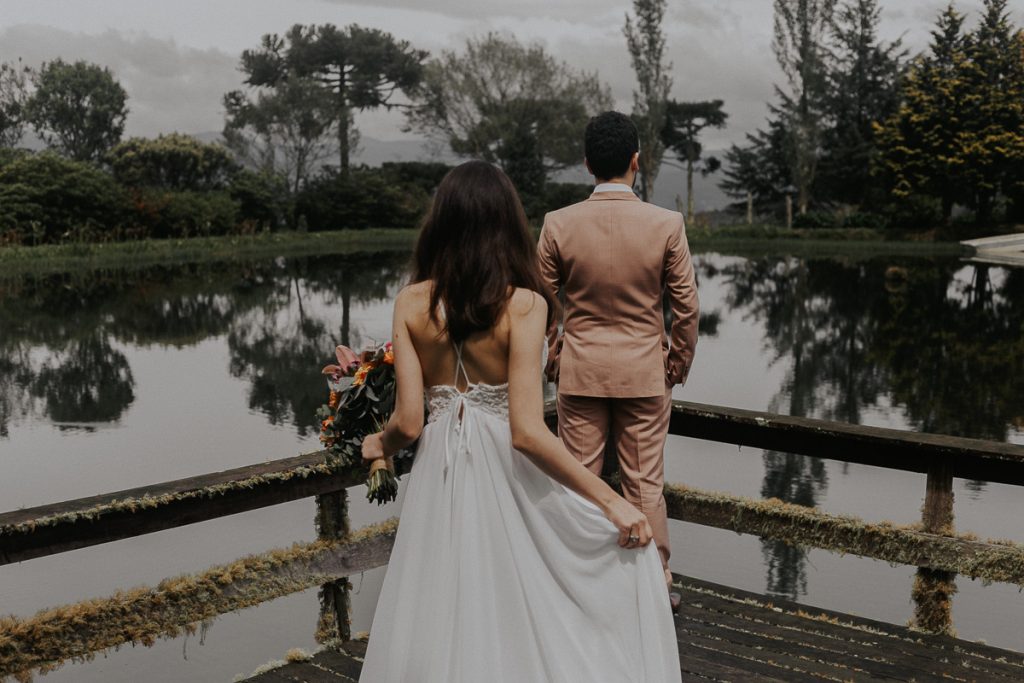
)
(116, 379)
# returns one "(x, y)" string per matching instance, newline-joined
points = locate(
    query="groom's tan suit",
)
(614, 257)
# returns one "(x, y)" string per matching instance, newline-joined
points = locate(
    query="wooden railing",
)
(932, 545)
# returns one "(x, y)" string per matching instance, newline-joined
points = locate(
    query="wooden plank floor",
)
(731, 635)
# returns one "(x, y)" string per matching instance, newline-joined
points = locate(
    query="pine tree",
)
(759, 167)
(993, 136)
(921, 145)
(864, 79)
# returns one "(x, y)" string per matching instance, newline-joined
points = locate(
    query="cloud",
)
(697, 12)
(170, 88)
(177, 61)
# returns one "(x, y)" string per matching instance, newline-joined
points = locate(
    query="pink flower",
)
(348, 362)
(346, 356)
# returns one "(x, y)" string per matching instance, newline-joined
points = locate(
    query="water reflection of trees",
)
(278, 346)
(941, 342)
(60, 335)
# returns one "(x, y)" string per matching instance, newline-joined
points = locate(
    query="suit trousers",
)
(637, 429)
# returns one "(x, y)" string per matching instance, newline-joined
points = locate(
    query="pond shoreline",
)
(143, 253)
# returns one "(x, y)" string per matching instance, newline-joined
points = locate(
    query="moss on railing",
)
(176, 605)
(809, 527)
(130, 505)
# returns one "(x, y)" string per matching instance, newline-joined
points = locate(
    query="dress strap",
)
(460, 367)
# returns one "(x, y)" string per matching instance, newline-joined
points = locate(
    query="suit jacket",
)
(614, 257)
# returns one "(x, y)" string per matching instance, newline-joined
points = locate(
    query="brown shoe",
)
(676, 600)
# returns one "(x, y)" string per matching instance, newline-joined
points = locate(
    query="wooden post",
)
(332, 523)
(933, 590)
(789, 211)
(750, 207)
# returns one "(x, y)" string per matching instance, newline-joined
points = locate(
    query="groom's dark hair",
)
(609, 143)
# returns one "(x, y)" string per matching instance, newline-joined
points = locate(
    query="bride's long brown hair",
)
(475, 245)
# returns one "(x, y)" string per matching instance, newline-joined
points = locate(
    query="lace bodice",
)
(489, 398)
(492, 399)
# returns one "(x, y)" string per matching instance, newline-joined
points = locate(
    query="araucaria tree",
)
(78, 109)
(864, 80)
(359, 68)
(646, 42)
(510, 104)
(800, 32)
(684, 123)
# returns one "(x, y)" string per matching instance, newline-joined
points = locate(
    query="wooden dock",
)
(1001, 250)
(726, 634)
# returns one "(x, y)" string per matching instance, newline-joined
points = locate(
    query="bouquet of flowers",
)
(362, 398)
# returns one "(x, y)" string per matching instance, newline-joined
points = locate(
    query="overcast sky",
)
(177, 58)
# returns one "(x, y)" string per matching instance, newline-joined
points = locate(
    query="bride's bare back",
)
(485, 354)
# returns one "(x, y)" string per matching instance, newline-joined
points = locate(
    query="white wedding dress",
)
(499, 574)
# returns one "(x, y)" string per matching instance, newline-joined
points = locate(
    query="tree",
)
(684, 123)
(174, 162)
(920, 146)
(510, 104)
(800, 31)
(78, 109)
(864, 78)
(287, 129)
(646, 43)
(13, 93)
(360, 68)
(760, 167)
(993, 136)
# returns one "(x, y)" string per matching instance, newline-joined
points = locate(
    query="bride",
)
(513, 562)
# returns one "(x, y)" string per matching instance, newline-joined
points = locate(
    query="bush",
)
(815, 220)
(559, 195)
(873, 221)
(47, 198)
(261, 198)
(916, 212)
(364, 198)
(9, 155)
(426, 175)
(172, 162)
(165, 213)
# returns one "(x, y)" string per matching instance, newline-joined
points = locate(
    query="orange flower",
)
(389, 357)
(326, 423)
(361, 374)
(333, 401)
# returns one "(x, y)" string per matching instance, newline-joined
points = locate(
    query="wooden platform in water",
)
(731, 635)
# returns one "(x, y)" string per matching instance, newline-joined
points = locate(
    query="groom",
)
(614, 257)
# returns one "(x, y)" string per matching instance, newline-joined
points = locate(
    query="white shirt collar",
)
(613, 187)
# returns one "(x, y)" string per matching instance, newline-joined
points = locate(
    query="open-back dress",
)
(499, 574)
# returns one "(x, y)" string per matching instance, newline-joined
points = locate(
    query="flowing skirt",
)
(501, 575)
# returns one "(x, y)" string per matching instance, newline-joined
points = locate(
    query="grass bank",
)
(739, 241)
(64, 257)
